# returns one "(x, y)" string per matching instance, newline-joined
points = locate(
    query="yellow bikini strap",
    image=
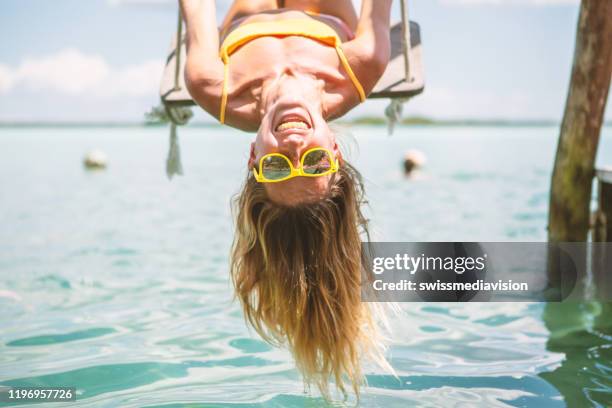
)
(224, 91)
(351, 74)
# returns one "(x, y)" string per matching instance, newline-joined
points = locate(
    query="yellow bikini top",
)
(304, 27)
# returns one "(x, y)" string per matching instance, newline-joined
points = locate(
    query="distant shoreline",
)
(362, 121)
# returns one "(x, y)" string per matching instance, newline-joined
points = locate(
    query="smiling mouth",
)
(293, 119)
(292, 124)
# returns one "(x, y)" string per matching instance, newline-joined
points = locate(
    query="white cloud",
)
(68, 71)
(135, 80)
(72, 72)
(511, 2)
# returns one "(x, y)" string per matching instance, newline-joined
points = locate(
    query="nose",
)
(293, 145)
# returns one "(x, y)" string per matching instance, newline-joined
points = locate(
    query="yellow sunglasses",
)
(315, 162)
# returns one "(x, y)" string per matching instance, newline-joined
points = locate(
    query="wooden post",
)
(603, 217)
(601, 254)
(573, 172)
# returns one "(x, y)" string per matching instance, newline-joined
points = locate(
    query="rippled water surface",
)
(116, 282)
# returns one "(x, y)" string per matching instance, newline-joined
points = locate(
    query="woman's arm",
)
(369, 52)
(203, 67)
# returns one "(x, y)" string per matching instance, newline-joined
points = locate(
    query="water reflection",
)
(583, 332)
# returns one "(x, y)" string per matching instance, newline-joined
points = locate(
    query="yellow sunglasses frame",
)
(299, 172)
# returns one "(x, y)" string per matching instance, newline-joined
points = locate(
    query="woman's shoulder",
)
(367, 61)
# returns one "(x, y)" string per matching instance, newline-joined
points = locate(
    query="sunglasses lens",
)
(317, 162)
(275, 168)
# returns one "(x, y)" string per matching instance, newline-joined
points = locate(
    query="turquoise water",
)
(116, 282)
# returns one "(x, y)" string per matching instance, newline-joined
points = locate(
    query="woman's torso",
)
(265, 58)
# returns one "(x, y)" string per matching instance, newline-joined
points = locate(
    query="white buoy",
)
(413, 159)
(95, 159)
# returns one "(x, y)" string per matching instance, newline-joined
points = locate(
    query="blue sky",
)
(102, 59)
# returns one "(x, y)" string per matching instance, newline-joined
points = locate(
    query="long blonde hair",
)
(297, 271)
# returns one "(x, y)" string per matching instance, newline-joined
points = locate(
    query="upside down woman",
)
(283, 69)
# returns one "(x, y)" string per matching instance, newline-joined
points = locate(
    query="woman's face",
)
(293, 123)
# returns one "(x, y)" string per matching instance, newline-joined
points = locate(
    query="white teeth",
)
(292, 125)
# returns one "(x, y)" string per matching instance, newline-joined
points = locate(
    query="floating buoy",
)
(413, 159)
(95, 159)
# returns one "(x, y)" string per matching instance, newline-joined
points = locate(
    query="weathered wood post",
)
(573, 172)
(572, 179)
(601, 255)
(602, 230)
